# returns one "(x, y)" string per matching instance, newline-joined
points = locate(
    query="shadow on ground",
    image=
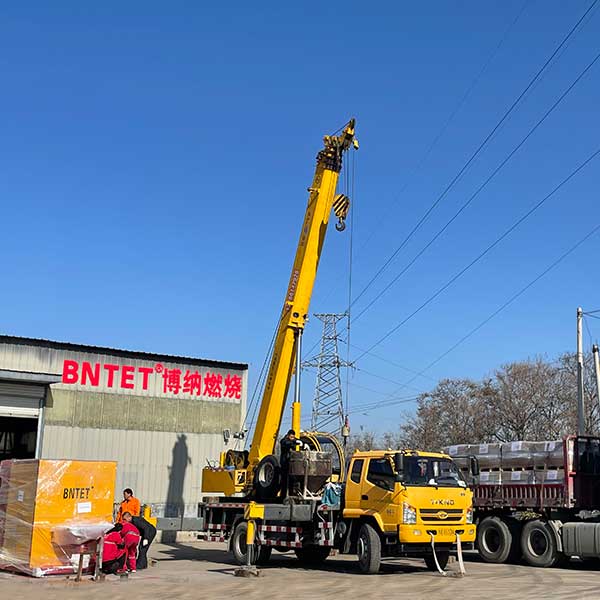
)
(287, 560)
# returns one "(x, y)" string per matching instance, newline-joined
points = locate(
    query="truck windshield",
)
(429, 470)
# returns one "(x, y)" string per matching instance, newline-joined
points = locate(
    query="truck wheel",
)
(313, 555)
(538, 544)
(368, 549)
(239, 547)
(264, 555)
(267, 477)
(442, 556)
(494, 540)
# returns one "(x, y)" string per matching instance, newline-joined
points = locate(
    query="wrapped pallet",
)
(532, 454)
(49, 509)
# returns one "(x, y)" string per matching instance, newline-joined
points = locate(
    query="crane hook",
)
(341, 206)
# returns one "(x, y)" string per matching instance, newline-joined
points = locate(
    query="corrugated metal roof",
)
(24, 341)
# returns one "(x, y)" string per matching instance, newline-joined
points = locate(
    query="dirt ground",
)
(204, 570)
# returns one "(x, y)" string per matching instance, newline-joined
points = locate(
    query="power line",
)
(475, 154)
(481, 187)
(506, 304)
(483, 253)
(442, 130)
(390, 362)
(450, 118)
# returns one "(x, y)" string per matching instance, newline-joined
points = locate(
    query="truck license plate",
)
(446, 531)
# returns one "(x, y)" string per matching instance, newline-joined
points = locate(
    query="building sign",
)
(172, 381)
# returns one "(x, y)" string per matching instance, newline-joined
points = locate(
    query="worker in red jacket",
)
(131, 539)
(113, 552)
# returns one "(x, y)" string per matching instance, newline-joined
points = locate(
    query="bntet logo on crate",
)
(76, 493)
(174, 381)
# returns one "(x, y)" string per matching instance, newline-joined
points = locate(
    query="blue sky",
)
(155, 161)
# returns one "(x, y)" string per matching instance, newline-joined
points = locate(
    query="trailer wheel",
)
(267, 477)
(368, 547)
(494, 540)
(538, 544)
(313, 555)
(442, 555)
(239, 547)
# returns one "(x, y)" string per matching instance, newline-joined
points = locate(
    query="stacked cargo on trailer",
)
(536, 500)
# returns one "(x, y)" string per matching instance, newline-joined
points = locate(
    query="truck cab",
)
(412, 501)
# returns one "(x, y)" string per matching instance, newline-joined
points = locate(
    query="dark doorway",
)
(18, 437)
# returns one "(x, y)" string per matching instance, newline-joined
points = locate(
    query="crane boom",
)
(322, 198)
(240, 472)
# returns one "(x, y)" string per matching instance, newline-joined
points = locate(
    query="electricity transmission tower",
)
(328, 405)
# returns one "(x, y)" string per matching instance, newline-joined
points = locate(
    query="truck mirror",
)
(474, 464)
(399, 465)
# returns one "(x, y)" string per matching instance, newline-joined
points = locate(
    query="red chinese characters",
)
(212, 385)
(192, 383)
(171, 381)
(233, 386)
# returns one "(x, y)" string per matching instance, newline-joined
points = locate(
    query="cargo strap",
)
(461, 564)
(437, 564)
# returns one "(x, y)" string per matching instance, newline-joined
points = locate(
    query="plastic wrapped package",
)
(532, 454)
(51, 511)
(490, 477)
(522, 476)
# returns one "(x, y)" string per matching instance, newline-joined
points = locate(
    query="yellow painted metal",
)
(322, 194)
(147, 514)
(250, 533)
(364, 499)
(254, 510)
(223, 481)
(296, 410)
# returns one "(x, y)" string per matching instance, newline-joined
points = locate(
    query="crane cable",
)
(352, 191)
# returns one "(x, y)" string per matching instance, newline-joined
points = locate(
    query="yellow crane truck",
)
(380, 503)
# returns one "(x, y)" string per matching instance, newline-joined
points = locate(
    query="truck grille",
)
(441, 515)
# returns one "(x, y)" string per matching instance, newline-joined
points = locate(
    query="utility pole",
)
(597, 369)
(580, 399)
(328, 404)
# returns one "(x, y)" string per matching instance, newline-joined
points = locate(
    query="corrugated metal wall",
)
(164, 469)
(161, 436)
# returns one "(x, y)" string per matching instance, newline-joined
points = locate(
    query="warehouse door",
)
(19, 414)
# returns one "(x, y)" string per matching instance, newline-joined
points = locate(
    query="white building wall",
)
(161, 467)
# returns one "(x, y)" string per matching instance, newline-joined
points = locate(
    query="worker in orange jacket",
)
(130, 504)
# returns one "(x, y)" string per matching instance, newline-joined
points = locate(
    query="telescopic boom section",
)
(322, 198)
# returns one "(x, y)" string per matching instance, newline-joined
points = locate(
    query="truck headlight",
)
(409, 514)
(470, 515)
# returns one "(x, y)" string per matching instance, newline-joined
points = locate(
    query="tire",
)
(267, 478)
(368, 549)
(538, 544)
(495, 541)
(264, 555)
(313, 555)
(442, 556)
(238, 545)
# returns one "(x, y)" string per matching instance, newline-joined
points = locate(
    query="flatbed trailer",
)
(539, 501)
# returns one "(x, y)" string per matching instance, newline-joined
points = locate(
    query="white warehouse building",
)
(160, 417)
